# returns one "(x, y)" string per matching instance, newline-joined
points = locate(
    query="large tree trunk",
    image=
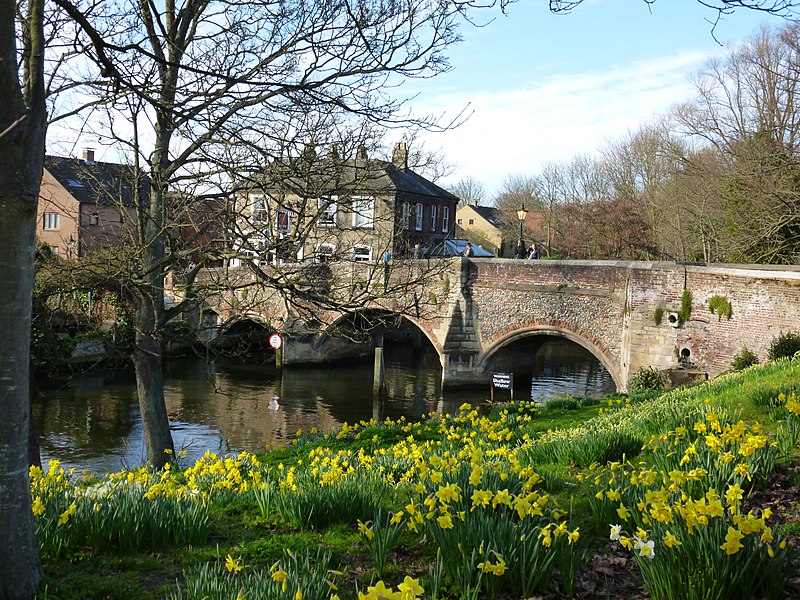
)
(147, 358)
(22, 131)
(20, 569)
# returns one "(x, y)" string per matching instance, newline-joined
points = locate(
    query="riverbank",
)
(508, 505)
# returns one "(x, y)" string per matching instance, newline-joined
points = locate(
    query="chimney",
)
(400, 155)
(474, 202)
(88, 156)
(362, 153)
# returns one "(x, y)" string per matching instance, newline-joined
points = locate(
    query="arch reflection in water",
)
(548, 366)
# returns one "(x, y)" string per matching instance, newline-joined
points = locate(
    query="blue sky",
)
(544, 87)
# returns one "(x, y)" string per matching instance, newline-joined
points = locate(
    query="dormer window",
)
(94, 219)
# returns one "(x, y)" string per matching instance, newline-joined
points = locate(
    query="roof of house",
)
(406, 180)
(494, 216)
(93, 181)
(332, 175)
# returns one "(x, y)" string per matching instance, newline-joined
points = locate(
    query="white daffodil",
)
(646, 549)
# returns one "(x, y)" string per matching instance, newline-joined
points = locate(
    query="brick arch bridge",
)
(608, 307)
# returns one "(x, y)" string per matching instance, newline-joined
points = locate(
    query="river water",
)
(92, 421)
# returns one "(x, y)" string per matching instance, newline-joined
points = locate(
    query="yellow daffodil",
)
(732, 541)
(232, 564)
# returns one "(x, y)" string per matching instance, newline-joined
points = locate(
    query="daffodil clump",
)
(790, 436)
(306, 576)
(122, 512)
(681, 512)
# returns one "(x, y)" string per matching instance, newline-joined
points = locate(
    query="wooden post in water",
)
(379, 375)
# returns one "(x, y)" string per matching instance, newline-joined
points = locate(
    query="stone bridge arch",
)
(606, 359)
(325, 345)
(246, 331)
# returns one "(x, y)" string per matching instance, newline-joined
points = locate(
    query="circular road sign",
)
(275, 340)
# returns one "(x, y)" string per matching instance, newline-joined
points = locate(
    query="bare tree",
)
(467, 190)
(784, 8)
(746, 111)
(22, 134)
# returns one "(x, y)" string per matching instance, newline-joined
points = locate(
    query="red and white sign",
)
(275, 340)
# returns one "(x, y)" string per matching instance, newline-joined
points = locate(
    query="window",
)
(325, 252)
(406, 215)
(363, 212)
(472, 221)
(459, 221)
(327, 212)
(94, 219)
(51, 220)
(433, 217)
(446, 219)
(283, 220)
(259, 205)
(418, 210)
(362, 253)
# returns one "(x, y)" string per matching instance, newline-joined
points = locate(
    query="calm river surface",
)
(92, 421)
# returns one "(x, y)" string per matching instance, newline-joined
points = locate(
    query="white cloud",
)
(516, 130)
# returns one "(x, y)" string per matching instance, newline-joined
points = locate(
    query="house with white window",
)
(85, 204)
(336, 209)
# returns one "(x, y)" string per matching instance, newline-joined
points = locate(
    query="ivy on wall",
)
(720, 306)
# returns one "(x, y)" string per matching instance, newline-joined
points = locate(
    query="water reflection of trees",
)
(84, 414)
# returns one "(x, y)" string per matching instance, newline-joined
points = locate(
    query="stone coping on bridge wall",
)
(740, 269)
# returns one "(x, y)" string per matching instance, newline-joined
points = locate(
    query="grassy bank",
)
(604, 498)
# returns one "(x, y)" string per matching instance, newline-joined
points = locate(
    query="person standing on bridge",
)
(468, 251)
(533, 251)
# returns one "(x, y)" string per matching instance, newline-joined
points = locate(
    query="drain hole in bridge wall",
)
(685, 353)
(673, 320)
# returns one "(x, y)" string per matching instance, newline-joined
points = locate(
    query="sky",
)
(542, 87)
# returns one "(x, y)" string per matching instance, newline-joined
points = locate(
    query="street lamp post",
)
(521, 214)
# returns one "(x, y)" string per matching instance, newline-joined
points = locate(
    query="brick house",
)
(84, 204)
(354, 209)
